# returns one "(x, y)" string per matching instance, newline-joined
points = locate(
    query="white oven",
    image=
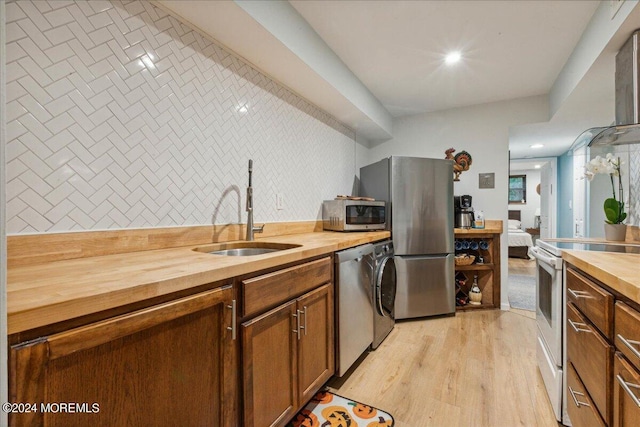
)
(549, 320)
(551, 313)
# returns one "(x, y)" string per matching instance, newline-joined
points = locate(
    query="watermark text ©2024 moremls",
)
(52, 407)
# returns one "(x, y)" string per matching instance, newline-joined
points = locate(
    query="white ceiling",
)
(511, 49)
(396, 48)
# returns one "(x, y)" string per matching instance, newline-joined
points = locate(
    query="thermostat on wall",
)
(487, 180)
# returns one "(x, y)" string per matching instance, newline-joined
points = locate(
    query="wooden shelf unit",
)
(488, 272)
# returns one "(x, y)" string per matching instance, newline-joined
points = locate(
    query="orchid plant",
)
(613, 207)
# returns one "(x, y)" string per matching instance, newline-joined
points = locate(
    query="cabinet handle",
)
(573, 325)
(579, 294)
(575, 399)
(304, 311)
(297, 329)
(627, 387)
(232, 328)
(630, 344)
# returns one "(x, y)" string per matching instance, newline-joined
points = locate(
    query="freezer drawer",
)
(425, 286)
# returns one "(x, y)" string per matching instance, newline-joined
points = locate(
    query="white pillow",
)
(514, 224)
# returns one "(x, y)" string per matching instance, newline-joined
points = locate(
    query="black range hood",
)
(627, 127)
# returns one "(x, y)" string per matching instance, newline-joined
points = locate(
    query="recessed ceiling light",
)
(537, 146)
(537, 166)
(452, 58)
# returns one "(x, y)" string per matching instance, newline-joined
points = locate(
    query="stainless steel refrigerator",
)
(419, 196)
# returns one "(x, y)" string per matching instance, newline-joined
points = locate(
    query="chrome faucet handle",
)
(249, 199)
(258, 229)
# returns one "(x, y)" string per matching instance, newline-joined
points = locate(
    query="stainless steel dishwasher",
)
(354, 307)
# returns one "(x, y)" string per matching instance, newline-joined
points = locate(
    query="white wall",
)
(121, 116)
(481, 130)
(528, 210)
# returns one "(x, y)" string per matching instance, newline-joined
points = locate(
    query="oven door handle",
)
(538, 254)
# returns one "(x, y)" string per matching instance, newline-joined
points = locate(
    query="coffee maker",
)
(463, 211)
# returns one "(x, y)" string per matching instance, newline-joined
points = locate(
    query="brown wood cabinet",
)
(581, 408)
(591, 356)
(174, 362)
(588, 329)
(601, 383)
(288, 354)
(626, 393)
(591, 299)
(626, 371)
(488, 271)
(627, 332)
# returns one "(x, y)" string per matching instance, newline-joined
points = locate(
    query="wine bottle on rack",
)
(475, 295)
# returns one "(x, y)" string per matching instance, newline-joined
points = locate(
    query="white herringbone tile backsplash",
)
(121, 116)
(634, 185)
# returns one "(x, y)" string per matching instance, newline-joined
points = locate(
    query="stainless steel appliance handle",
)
(627, 387)
(379, 286)
(630, 345)
(297, 329)
(575, 399)
(354, 254)
(538, 254)
(573, 325)
(233, 328)
(579, 294)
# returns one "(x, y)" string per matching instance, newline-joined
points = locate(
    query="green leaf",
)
(614, 211)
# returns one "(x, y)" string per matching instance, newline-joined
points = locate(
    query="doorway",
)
(538, 213)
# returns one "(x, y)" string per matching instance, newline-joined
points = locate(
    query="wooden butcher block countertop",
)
(491, 227)
(43, 294)
(619, 271)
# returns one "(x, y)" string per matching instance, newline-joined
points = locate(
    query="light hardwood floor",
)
(525, 267)
(476, 368)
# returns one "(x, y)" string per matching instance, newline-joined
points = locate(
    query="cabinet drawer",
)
(592, 300)
(626, 393)
(591, 356)
(267, 291)
(627, 332)
(579, 405)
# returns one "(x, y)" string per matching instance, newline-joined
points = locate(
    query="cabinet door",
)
(269, 353)
(592, 357)
(316, 363)
(592, 300)
(173, 361)
(627, 332)
(581, 408)
(626, 393)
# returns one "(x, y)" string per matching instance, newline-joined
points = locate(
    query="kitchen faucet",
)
(250, 228)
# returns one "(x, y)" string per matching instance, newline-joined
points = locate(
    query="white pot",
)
(615, 232)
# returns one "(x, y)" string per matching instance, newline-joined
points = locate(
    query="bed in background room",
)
(519, 240)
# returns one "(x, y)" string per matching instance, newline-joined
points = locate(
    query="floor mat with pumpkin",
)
(330, 410)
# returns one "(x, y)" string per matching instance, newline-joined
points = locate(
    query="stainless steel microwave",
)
(353, 215)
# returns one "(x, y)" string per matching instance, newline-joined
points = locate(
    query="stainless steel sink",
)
(244, 251)
(245, 248)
